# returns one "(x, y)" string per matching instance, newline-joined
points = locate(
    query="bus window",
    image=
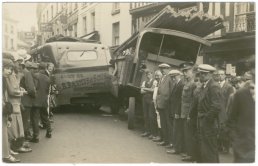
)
(82, 55)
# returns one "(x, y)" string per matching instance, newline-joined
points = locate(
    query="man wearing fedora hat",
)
(209, 107)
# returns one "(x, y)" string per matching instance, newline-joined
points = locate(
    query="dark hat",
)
(42, 65)
(164, 65)
(8, 55)
(7, 63)
(186, 65)
(29, 64)
(205, 68)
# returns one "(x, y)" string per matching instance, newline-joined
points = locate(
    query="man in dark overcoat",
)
(27, 82)
(209, 107)
(40, 105)
(175, 112)
(241, 123)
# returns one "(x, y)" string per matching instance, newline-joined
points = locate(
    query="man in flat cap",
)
(189, 127)
(175, 112)
(209, 107)
(163, 103)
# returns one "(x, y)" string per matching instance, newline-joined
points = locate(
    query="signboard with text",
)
(29, 35)
(46, 27)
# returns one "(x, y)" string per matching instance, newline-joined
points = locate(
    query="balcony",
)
(245, 22)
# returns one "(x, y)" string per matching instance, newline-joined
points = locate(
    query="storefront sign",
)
(29, 35)
(46, 27)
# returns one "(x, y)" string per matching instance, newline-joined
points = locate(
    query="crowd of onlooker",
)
(200, 111)
(27, 88)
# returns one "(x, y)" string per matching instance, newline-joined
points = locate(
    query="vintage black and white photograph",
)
(128, 82)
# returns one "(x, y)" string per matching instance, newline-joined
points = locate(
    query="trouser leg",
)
(35, 116)
(163, 123)
(153, 120)
(208, 143)
(178, 135)
(26, 121)
(45, 118)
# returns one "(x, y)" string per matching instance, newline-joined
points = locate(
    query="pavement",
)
(97, 137)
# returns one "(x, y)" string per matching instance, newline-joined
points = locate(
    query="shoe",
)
(26, 145)
(13, 152)
(162, 143)
(11, 159)
(42, 126)
(145, 134)
(184, 155)
(170, 146)
(172, 152)
(34, 140)
(151, 137)
(28, 138)
(157, 139)
(24, 150)
(48, 135)
(188, 159)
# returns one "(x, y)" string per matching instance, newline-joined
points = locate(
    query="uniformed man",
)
(187, 102)
(209, 107)
(175, 112)
(163, 103)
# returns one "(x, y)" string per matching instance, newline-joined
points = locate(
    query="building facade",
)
(108, 23)
(10, 32)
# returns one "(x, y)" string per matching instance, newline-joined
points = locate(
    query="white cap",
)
(206, 68)
(164, 65)
(174, 73)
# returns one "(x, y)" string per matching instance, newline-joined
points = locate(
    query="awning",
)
(192, 22)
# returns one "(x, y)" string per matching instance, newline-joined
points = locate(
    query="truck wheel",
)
(131, 111)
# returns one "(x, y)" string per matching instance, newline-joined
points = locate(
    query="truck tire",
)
(131, 113)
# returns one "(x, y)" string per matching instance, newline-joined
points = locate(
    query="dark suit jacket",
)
(209, 102)
(27, 83)
(163, 95)
(226, 91)
(241, 123)
(176, 98)
(42, 90)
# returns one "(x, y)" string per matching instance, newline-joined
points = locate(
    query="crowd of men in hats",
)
(26, 91)
(198, 112)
